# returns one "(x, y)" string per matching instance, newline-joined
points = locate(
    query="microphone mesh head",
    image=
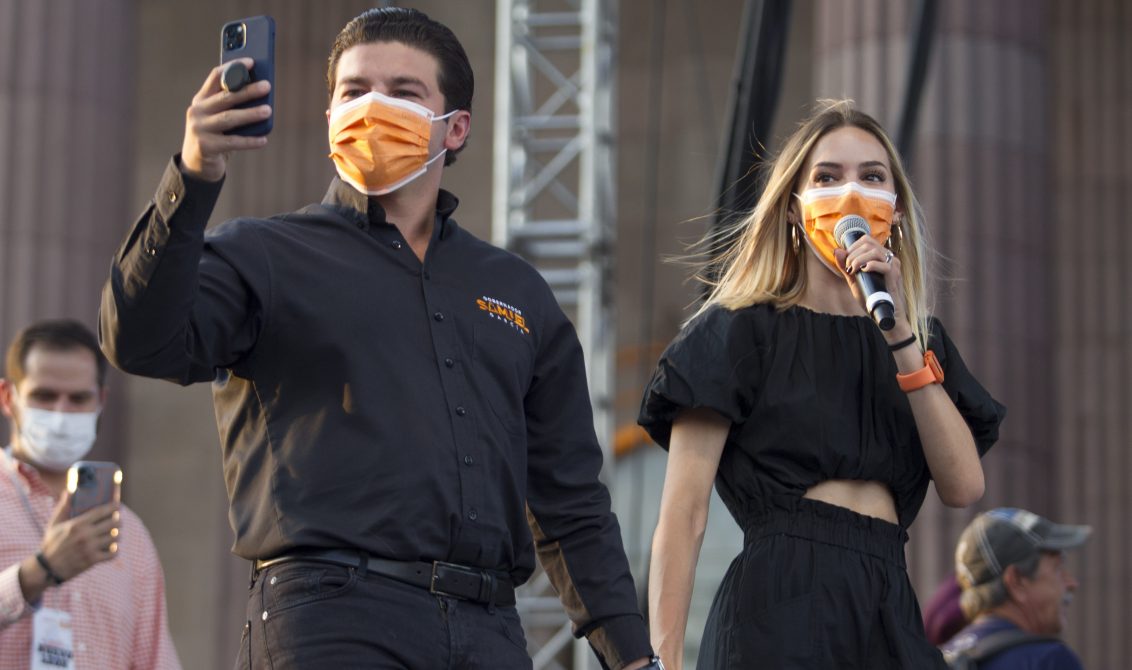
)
(851, 222)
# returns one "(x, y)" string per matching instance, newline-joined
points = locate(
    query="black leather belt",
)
(446, 579)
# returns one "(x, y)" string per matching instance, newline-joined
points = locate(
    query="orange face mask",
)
(822, 208)
(379, 144)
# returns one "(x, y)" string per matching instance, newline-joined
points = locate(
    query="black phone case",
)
(259, 45)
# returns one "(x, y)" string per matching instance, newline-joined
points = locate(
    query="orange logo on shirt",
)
(498, 309)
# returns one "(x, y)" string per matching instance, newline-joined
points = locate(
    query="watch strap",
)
(931, 373)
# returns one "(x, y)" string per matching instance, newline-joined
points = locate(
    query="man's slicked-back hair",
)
(415, 29)
(53, 335)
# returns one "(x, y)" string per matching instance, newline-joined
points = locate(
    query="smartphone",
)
(93, 483)
(254, 38)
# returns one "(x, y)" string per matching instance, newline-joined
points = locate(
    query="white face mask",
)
(55, 440)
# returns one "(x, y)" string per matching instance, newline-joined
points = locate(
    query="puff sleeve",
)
(711, 363)
(982, 412)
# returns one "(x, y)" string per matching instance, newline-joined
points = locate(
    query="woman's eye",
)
(876, 177)
(823, 178)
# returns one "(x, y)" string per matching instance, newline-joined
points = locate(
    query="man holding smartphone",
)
(87, 591)
(403, 408)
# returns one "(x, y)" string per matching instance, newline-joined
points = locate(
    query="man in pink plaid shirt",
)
(84, 592)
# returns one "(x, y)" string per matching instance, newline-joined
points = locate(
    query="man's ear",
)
(1017, 586)
(6, 392)
(458, 129)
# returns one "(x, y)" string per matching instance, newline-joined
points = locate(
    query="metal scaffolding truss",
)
(553, 204)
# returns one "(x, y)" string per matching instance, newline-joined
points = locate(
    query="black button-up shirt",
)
(365, 399)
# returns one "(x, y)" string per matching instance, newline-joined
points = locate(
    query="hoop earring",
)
(795, 243)
(896, 239)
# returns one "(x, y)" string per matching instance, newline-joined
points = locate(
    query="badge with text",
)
(508, 314)
(52, 640)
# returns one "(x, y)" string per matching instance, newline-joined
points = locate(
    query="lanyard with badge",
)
(52, 638)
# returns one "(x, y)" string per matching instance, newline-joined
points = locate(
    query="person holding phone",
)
(403, 408)
(85, 591)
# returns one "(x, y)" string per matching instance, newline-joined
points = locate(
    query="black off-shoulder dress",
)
(811, 397)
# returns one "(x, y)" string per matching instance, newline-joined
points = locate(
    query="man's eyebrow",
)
(358, 81)
(406, 80)
(399, 80)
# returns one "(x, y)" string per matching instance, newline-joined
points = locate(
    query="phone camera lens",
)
(233, 37)
(85, 476)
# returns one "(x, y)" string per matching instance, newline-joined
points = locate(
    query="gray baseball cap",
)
(1004, 536)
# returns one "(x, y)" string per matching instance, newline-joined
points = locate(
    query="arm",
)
(698, 437)
(577, 537)
(70, 547)
(949, 447)
(166, 312)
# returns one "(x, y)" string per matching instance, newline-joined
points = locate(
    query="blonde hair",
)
(760, 264)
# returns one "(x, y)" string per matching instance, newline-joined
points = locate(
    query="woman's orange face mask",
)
(379, 144)
(822, 208)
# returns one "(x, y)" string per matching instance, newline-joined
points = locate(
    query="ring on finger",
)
(888, 257)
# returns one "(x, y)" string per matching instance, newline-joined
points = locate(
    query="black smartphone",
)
(93, 483)
(254, 38)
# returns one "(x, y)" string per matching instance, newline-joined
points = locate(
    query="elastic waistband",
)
(829, 524)
(438, 577)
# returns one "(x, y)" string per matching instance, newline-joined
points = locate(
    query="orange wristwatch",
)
(931, 373)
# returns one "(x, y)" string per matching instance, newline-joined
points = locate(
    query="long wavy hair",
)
(761, 263)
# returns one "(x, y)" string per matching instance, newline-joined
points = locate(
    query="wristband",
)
(51, 576)
(901, 344)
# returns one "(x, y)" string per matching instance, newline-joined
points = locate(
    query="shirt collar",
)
(29, 474)
(358, 207)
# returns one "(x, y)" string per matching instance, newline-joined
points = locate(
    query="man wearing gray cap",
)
(1016, 590)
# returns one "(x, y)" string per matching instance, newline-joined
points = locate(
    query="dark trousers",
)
(817, 587)
(310, 615)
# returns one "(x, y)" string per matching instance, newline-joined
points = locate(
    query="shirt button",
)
(468, 460)
(152, 251)
(460, 411)
(172, 196)
(438, 316)
(396, 244)
(472, 514)
(448, 362)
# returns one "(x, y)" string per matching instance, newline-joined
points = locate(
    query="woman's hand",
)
(869, 255)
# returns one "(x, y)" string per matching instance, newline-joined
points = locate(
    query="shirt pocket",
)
(502, 360)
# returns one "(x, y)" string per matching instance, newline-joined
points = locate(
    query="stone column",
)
(1091, 111)
(66, 94)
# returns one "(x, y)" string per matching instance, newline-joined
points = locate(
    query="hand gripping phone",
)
(93, 483)
(254, 38)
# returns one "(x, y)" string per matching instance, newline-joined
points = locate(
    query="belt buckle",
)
(432, 580)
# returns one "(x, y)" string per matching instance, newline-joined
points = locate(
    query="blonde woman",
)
(820, 430)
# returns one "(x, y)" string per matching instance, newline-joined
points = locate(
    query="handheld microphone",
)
(878, 302)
